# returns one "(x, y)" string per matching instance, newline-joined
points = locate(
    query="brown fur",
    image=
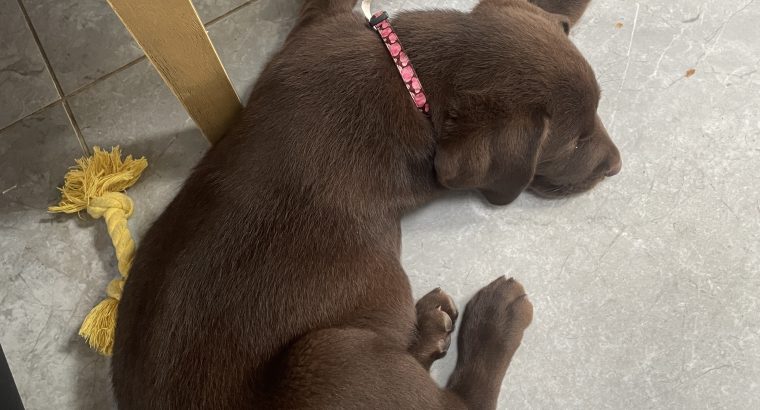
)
(273, 279)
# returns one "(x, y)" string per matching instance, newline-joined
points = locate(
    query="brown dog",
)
(273, 279)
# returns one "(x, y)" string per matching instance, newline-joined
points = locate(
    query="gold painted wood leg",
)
(176, 42)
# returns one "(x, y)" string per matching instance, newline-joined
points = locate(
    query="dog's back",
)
(266, 239)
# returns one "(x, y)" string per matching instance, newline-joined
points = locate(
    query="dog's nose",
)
(615, 168)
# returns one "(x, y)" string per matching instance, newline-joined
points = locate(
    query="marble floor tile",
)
(51, 270)
(84, 40)
(246, 40)
(211, 9)
(25, 83)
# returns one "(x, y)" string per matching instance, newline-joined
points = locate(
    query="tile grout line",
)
(75, 126)
(105, 76)
(227, 14)
(56, 83)
(35, 112)
(76, 91)
(63, 98)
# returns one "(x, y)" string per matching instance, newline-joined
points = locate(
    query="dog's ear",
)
(498, 158)
(568, 12)
(572, 10)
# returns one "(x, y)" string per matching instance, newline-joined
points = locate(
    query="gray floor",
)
(645, 290)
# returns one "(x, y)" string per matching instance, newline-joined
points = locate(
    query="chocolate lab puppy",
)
(273, 279)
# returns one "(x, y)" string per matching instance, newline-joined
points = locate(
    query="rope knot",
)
(115, 289)
(110, 201)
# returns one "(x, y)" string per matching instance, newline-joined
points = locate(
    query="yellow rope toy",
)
(96, 184)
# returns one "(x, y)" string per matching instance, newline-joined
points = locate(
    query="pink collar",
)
(379, 21)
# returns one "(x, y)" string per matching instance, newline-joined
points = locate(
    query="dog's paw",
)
(436, 316)
(495, 319)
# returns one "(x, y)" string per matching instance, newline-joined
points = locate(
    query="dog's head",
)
(523, 116)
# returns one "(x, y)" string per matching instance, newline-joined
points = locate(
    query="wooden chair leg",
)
(175, 40)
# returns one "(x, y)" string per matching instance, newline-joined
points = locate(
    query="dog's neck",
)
(406, 186)
(428, 49)
(385, 167)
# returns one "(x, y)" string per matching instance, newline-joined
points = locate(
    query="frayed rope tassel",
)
(96, 184)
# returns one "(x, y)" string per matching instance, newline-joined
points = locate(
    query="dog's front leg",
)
(492, 329)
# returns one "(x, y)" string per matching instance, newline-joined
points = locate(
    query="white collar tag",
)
(367, 9)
